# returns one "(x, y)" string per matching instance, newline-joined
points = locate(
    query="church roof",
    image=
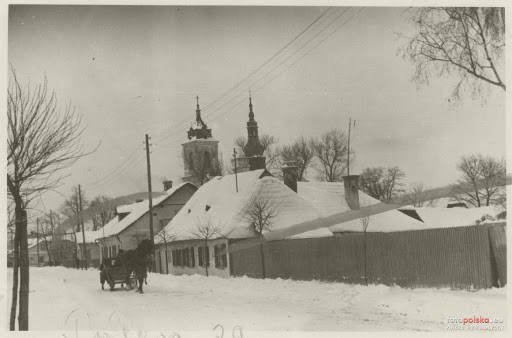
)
(218, 202)
(199, 129)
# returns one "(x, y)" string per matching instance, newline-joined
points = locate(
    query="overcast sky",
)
(136, 70)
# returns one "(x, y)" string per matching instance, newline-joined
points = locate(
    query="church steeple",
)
(253, 146)
(251, 113)
(200, 129)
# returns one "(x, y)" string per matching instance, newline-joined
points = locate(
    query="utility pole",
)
(150, 201)
(348, 155)
(53, 236)
(236, 175)
(37, 239)
(82, 224)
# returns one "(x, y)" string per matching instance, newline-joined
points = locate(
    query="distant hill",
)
(122, 200)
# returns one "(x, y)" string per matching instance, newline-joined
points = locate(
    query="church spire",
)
(251, 113)
(253, 146)
(199, 130)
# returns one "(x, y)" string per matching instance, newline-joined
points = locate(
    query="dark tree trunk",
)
(21, 214)
(262, 261)
(364, 250)
(206, 257)
(166, 261)
(15, 280)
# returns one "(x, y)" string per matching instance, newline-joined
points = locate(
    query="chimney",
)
(350, 183)
(290, 174)
(167, 185)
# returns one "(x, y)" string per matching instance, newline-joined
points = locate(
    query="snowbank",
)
(184, 303)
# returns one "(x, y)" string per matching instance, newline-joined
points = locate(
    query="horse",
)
(137, 261)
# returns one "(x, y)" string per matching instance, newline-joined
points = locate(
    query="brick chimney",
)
(350, 183)
(167, 185)
(290, 174)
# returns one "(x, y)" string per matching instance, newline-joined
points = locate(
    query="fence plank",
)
(498, 239)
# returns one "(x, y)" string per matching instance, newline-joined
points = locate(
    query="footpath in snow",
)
(66, 299)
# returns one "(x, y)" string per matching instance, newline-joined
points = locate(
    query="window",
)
(191, 161)
(192, 260)
(204, 256)
(174, 258)
(207, 161)
(220, 256)
(185, 257)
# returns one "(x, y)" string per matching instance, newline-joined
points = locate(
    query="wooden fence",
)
(463, 257)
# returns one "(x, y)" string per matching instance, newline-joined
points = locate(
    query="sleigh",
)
(113, 272)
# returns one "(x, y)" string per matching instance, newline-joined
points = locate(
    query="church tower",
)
(200, 153)
(253, 150)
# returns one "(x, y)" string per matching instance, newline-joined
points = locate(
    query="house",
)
(222, 206)
(435, 218)
(131, 224)
(329, 199)
(35, 257)
(92, 248)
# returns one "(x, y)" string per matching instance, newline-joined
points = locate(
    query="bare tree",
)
(331, 155)
(476, 168)
(381, 183)
(206, 230)
(166, 236)
(270, 151)
(301, 151)
(468, 41)
(417, 196)
(201, 167)
(261, 211)
(103, 210)
(71, 207)
(48, 224)
(42, 141)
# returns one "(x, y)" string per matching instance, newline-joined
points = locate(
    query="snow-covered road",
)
(62, 299)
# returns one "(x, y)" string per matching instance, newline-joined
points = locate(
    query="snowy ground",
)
(65, 299)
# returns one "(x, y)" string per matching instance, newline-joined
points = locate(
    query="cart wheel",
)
(112, 285)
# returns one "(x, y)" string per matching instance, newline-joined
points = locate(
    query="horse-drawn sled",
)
(128, 269)
(113, 271)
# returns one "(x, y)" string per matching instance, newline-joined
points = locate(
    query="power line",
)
(290, 66)
(260, 67)
(265, 75)
(225, 94)
(172, 136)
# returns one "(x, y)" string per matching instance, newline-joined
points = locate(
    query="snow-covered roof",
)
(453, 217)
(138, 210)
(32, 242)
(218, 202)
(329, 199)
(126, 208)
(90, 236)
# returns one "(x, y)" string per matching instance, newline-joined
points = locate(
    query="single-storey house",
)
(33, 258)
(131, 224)
(92, 248)
(222, 209)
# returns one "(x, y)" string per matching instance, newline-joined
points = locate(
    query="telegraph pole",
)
(348, 156)
(82, 224)
(150, 199)
(37, 239)
(236, 176)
